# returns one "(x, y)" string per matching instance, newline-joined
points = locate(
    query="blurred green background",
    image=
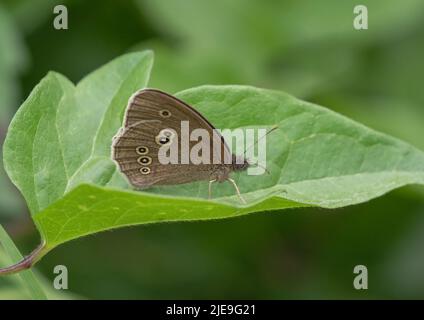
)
(307, 48)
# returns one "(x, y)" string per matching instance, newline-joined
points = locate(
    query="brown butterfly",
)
(152, 119)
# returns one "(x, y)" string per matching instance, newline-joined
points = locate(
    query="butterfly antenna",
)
(257, 164)
(256, 142)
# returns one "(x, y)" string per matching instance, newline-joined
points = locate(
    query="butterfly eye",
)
(145, 170)
(142, 150)
(165, 113)
(145, 160)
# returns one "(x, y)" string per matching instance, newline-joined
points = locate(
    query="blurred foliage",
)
(307, 48)
(12, 62)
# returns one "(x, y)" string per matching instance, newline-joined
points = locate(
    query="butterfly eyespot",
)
(144, 160)
(163, 140)
(167, 133)
(142, 150)
(145, 170)
(164, 137)
(165, 113)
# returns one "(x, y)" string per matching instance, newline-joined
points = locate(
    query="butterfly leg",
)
(237, 190)
(210, 188)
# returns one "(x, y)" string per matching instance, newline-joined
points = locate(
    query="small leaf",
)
(28, 277)
(58, 154)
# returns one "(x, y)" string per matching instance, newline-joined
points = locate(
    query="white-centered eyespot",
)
(145, 170)
(142, 150)
(144, 160)
(165, 137)
(162, 140)
(167, 133)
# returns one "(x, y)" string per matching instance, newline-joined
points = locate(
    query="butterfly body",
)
(154, 120)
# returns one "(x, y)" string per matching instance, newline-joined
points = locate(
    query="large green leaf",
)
(317, 156)
(61, 135)
(57, 152)
(88, 209)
